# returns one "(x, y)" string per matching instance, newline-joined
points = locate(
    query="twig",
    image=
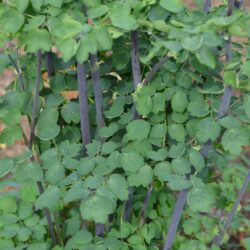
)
(83, 101)
(31, 141)
(218, 239)
(136, 67)
(154, 70)
(19, 73)
(145, 205)
(179, 205)
(36, 99)
(95, 72)
(207, 6)
(49, 64)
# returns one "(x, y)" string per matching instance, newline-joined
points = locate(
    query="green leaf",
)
(245, 68)
(158, 131)
(55, 173)
(177, 132)
(176, 182)
(70, 112)
(121, 18)
(230, 78)
(97, 208)
(102, 37)
(11, 116)
(158, 155)
(49, 199)
(55, 3)
(174, 6)
(11, 21)
(138, 130)
(159, 103)
(179, 102)
(25, 210)
(162, 170)
(10, 135)
(196, 159)
(6, 164)
(37, 4)
(36, 39)
(86, 46)
(204, 194)
(144, 105)
(198, 108)
(109, 147)
(47, 128)
(76, 192)
(29, 172)
(97, 11)
(70, 149)
(208, 129)
(206, 57)
(93, 148)
(234, 139)
(145, 175)
(230, 122)
(191, 43)
(177, 150)
(131, 162)
(246, 105)
(7, 204)
(119, 186)
(68, 48)
(181, 166)
(108, 131)
(20, 5)
(83, 237)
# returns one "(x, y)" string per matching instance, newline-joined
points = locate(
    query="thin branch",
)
(49, 64)
(36, 99)
(31, 141)
(95, 72)
(154, 70)
(18, 70)
(179, 205)
(136, 67)
(83, 101)
(218, 239)
(128, 208)
(207, 6)
(145, 205)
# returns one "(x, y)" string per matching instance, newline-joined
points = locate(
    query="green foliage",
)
(151, 142)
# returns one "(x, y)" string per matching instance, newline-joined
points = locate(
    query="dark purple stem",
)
(31, 141)
(136, 67)
(207, 6)
(154, 70)
(238, 3)
(49, 64)
(217, 240)
(19, 73)
(179, 206)
(83, 101)
(145, 205)
(95, 72)
(128, 209)
(36, 99)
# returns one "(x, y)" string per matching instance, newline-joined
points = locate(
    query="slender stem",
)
(207, 6)
(18, 70)
(49, 64)
(238, 3)
(128, 209)
(31, 141)
(95, 72)
(136, 67)
(218, 239)
(36, 99)
(179, 205)
(83, 101)
(154, 70)
(182, 197)
(47, 215)
(145, 205)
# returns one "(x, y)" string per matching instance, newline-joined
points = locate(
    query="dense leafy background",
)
(158, 153)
